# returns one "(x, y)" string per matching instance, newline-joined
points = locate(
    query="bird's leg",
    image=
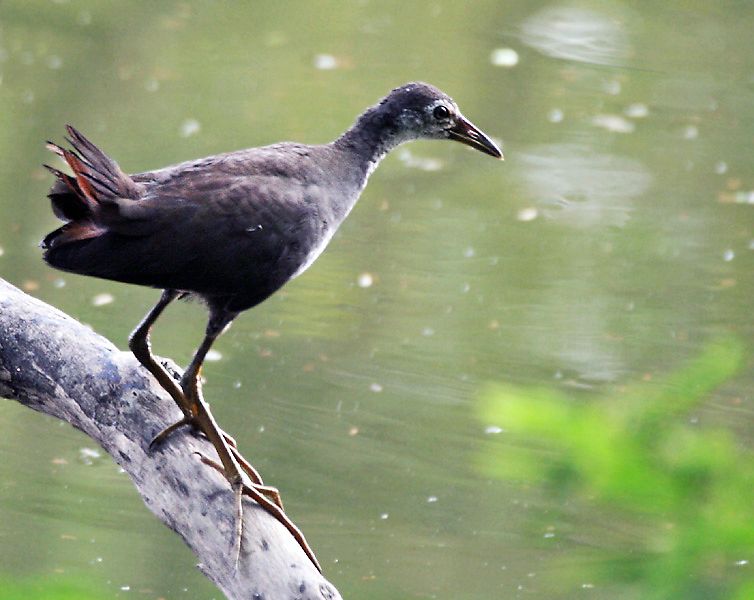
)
(196, 413)
(139, 344)
(268, 498)
(201, 417)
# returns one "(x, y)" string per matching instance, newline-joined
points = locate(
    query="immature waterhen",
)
(229, 229)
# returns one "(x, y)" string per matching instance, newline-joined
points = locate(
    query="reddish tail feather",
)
(77, 198)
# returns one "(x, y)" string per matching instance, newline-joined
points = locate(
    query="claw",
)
(165, 433)
(268, 491)
(243, 463)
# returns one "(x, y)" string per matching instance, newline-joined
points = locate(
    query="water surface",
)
(613, 248)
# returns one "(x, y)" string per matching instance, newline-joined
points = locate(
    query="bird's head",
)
(419, 110)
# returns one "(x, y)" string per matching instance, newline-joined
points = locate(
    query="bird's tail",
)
(79, 199)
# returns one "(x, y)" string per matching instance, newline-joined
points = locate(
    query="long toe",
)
(165, 433)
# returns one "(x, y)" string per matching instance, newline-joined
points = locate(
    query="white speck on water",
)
(103, 299)
(587, 586)
(125, 588)
(375, 387)
(613, 123)
(152, 85)
(741, 563)
(469, 252)
(527, 214)
(721, 168)
(612, 87)
(691, 132)
(555, 115)
(237, 384)
(59, 283)
(365, 280)
(465, 288)
(729, 255)
(419, 162)
(2, 251)
(260, 429)
(504, 57)
(54, 62)
(325, 62)
(751, 245)
(637, 110)
(27, 97)
(88, 455)
(428, 332)
(493, 430)
(548, 535)
(744, 197)
(213, 355)
(384, 516)
(431, 499)
(190, 127)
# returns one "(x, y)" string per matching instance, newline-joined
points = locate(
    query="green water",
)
(600, 268)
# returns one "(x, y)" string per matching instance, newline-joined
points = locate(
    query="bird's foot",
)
(268, 498)
(242, 476)
(270, 492)
(188, 421)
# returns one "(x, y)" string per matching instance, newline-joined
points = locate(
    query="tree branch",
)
(55, 365)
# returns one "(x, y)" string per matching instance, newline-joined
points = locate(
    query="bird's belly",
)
(314, 252)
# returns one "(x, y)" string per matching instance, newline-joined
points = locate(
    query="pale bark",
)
(53, 364)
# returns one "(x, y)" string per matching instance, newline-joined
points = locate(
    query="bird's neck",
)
(362, 147)
(371, 137)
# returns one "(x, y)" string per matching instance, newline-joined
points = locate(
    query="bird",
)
(230, 230)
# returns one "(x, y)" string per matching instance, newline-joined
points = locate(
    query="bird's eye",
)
(441, 112)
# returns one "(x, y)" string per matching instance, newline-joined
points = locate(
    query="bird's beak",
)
(465, 132)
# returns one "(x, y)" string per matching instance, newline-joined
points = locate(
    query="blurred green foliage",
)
(640, 452)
